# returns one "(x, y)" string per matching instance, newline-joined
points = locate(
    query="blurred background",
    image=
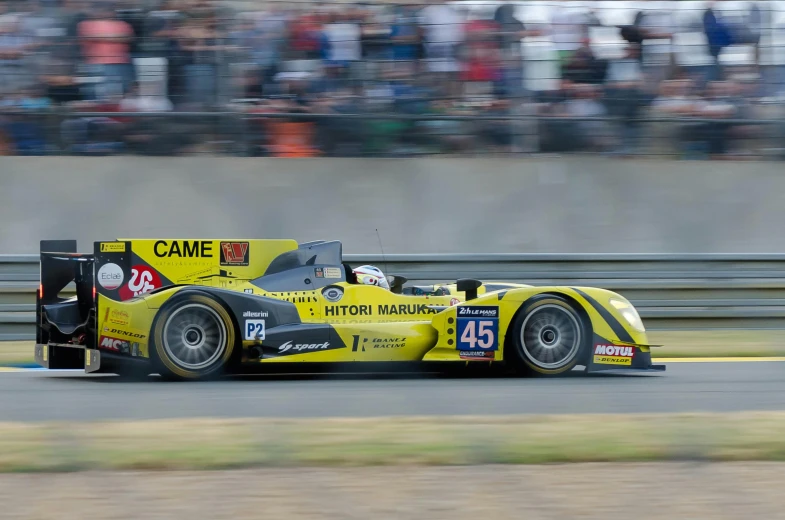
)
(683, 79)
(595, 128)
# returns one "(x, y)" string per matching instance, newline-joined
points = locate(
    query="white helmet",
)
(370, 275)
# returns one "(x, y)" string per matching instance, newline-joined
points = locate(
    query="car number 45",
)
(477, 333)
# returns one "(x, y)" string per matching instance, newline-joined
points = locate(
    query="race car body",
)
(191, 309)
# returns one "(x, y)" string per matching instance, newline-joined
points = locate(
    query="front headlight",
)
(630, 314)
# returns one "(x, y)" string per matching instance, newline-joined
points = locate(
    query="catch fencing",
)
(671, 292)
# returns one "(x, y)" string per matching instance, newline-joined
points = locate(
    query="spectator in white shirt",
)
(343, 39)
(444, 33)
(569, 28)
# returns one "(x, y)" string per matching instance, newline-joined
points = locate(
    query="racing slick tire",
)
(194, 338)
(547, 337)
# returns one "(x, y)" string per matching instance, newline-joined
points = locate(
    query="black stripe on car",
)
(616, 327)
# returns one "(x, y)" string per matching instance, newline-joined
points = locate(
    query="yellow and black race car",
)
(191, 309)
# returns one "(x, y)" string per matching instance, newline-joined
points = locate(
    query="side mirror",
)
(396, 283)
(469, 286)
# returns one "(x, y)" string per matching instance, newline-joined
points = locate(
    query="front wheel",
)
(194, 337)
(547, 336)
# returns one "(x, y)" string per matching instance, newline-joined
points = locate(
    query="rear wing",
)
(60, 318)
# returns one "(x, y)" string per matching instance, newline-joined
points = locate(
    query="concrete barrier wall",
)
(543, 205)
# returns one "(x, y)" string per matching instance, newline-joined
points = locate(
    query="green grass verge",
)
(16, 352)
(752, 343)
(718, 343)
(221, 444)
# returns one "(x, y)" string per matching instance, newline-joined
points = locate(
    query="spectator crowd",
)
(170, 77)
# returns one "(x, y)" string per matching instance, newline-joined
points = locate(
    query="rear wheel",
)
(194, 337)
(547, 336)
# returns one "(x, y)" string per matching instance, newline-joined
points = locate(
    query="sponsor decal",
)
(113, 247)
(477, 354)
(183, 249)
(256, 314)
(248, 291)
(143, 280)
(613, 350)
(454, 301)
(403, 308)
(332, 294)
(117, 316)
(478, 328)
(293, 298)
(299, 347)
(478, 312)
(388, 342)
(372, 342)
(235, 253)
(198, 275)
(110, 343)
(110, 276)
(119, 332)
(332, 272)
(348, 310)
(607, 354)
(135, 349)
(254, 329)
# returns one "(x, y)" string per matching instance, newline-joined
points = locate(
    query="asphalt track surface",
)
(685, 387)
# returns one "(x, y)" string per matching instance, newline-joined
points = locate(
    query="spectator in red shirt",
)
(105, 42)
(305, 36)
(482, 62)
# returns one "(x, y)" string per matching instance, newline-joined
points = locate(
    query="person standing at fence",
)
(70, 14)
(341, 39)
(569, 29)
(443, 28)
(105, 42)
(160, 27)
(626, 97)
(200, 45)
(482, 65)
(719, 35)
(261, 39)
(405, 35)
(14, 75)
(511, 32)
(657, 26)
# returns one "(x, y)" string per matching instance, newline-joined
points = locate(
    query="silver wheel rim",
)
(194, 336)
(550, 337)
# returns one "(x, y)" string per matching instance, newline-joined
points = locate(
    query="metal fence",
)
(242, 134)
(395, 78)
(695, 292)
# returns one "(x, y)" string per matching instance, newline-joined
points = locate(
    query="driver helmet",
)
(371, 275)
